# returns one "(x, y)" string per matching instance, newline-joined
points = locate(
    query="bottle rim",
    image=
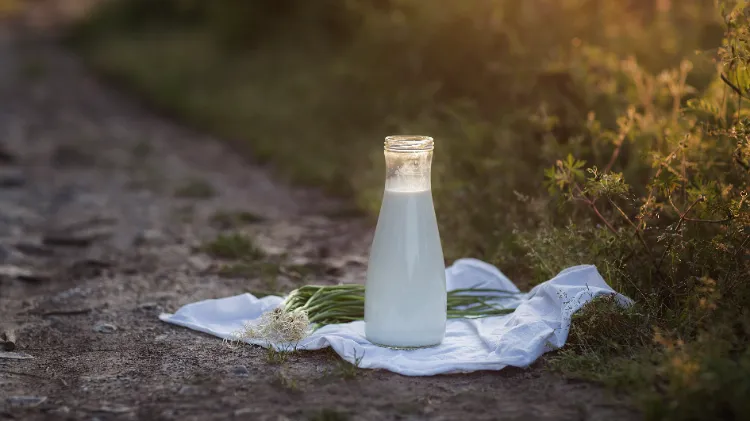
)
(408, 143)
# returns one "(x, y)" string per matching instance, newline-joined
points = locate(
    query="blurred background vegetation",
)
(567, 132)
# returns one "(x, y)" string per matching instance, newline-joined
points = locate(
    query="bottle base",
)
(405, 348)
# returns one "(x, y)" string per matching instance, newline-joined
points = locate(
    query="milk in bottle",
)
(405, 296)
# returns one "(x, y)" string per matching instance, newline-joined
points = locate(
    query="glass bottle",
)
(405, 297)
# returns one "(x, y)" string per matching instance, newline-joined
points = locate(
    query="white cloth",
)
(539, 324)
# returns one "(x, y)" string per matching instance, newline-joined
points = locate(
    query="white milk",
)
(405, 298)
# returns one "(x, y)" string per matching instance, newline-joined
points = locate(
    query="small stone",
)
(240, 371)
(6, 156)
(188, 390)
(333, 271)
(25, 401)
(11, 179)
(115, 409)
(150, 237)
(78, 239)
(165, 295)
(33, 249)
(300, 261)
(148, 306)
(13, 272)
(18, 214)
(5, 253)
(72, 156)
(200, 263)
(246, 411)
(61, 410)
(167, 414)
(324, 252)
(21, 274)
(87, 268)
(35, 278)
(15, 355)
(105, 328)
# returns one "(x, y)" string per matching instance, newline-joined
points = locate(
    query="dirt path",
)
(103, 209)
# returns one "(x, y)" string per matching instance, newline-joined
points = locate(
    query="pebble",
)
(5, 253)
(11, 179)
(167, 414)
(333, 271)
(115, 409)
(148, 306)
(63, 410)
(19, 215)
(240, 371)
(105, 328)
(150, 237)
(21, 274)
(189, 390)
(33, 249)
(246, 411)
(200, 263)
(6, 156)
(25, 401)
(83, 239)
(71, 156)
(15, 355)
(11, 271)
(35, 278)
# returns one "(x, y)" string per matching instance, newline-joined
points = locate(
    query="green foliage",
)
(645, 143)
(33, 69)
(347, 370)
(276, 357)
(195, 189)
(141, 150)
(329, 414)
(227, 220)
(286, 382)
(233, 246)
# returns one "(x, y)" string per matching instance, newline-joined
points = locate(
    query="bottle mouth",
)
(406, 143)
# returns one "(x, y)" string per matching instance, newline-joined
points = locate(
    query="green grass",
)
(147, 176)
(238, 270)
(195, 189)
(286, 382)
(227, 219)
(346, 370)
(141, 150)
(72, 155)
(233, 246)
(275, 357)
(184, 214)
(329, 414)
(33, 69)
(267, 271)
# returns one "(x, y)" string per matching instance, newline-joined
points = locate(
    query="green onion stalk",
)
(313, 306)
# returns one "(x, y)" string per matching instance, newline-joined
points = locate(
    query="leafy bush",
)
(677, 243)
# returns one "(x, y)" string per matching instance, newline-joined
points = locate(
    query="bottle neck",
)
(408, 171)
